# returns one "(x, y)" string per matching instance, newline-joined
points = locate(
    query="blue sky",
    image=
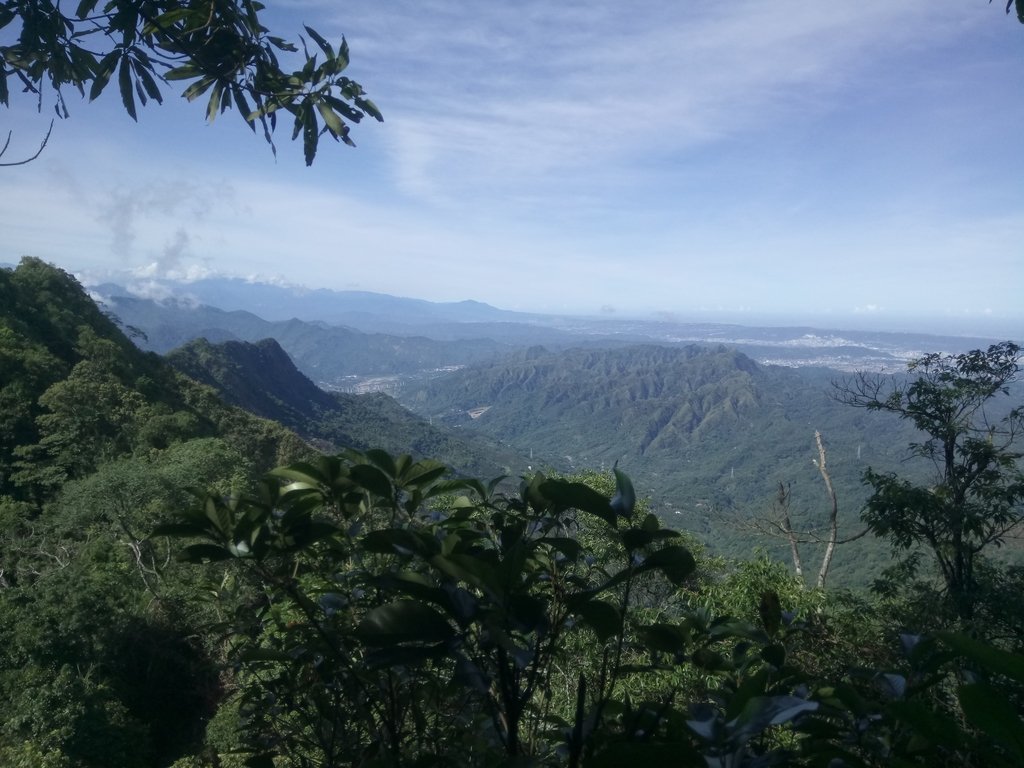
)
(855, 163)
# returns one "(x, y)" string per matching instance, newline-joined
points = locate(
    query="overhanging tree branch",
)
(27, 160)
(220, 48)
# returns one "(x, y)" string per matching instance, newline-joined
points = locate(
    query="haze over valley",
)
(707, 417)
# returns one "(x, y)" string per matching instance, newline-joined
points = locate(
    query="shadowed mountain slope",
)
(262, 379)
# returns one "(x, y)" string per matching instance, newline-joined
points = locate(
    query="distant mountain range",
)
(250, 311)
(328, 354)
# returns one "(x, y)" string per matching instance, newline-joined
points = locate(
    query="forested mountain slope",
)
(708, 432)
(262, 379)
(100, 661)
(75, 392)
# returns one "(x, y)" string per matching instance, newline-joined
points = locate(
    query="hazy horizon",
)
(981, 327)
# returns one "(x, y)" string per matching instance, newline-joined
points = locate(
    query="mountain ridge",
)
(261, 378)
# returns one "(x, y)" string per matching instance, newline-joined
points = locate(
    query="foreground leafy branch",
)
(382, 613)
(221, 49)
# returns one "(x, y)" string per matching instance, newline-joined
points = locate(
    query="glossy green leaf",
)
(764, 711)
(198, 88)
(423, 472)
(399, 541)
(213, 105)
(571, 548)
(404, 621)
(383, 460)
(184, 72)
(303, 472)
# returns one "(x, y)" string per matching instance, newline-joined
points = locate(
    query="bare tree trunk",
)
(833, 523)
(787, 528)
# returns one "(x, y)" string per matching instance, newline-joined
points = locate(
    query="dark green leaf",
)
(303, 472)
(566, 495)
(213, 105)
(994, 659)
(423, 473)
(184, 72)
(148, 82)
(125, 81)
(324, 45)
(373, 480)
(674, 561)
(770, 610)
(85, 8)
(624, 500)
(571, 548)
(201, 553)
(764, 711)
(104, 70)
(383, 460)
(990, 711)
(198, 88)
(310, 132)
(401, 542)
(667, 638)
(604, 618)
(404, 621)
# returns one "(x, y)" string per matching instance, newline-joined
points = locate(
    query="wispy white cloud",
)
(576, 155)
(536, 96)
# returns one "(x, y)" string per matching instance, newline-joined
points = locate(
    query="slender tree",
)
(977, 489)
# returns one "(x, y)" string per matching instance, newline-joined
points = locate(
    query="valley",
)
(708, 418)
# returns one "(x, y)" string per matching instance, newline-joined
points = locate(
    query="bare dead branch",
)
(28, 160)
(833, 522)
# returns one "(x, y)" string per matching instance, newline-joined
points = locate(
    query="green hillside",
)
(705, 430)
(100, 656)
(262, 379)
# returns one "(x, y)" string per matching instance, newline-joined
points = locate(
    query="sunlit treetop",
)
(219, 48)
